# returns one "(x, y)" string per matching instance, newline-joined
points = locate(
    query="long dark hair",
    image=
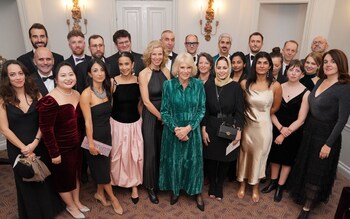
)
(210, 60)
(341, 60)
(252, 73)
(106, 84)
(127, 55)
(8, 93)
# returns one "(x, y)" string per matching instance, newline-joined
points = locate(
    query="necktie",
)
(51, 77)
(79, 59)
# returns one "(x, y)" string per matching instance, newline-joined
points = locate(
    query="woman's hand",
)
(93, 150)
(279, 140)
(56, 160)
(325, 150)
(205, 137)
(238, 137)
(285, 132)
(28, 149)
(182, 132)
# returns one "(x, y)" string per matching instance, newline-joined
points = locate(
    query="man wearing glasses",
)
(319, 44)
(191, 44)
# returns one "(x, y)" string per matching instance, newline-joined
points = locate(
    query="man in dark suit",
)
(290, 49)
(168, 41)
(43, 77)
(191, 45)
(224, 44)
(255, 43)
(76, 42)
(97, 50)
(39, 38)
(122, 40)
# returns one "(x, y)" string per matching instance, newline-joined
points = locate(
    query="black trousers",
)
(217, 172)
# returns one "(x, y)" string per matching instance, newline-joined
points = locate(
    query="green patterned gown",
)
(181, 162)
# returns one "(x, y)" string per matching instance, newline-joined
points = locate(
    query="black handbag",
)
(225, 130)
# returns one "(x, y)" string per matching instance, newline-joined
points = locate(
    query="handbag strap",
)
(218, 100)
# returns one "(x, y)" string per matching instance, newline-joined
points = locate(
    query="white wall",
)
(339, 36)
(11, 37)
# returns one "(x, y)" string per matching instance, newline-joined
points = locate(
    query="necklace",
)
(101, 95)
(66, 94)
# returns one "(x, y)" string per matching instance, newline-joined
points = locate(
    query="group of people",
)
(160, 112)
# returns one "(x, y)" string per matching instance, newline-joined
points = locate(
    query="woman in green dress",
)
(182, 109)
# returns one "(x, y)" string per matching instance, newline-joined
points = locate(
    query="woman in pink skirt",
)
(127, 141)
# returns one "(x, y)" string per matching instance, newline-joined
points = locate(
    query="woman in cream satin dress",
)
(262, 98)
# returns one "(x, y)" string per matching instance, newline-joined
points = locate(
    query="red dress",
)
(60, 129)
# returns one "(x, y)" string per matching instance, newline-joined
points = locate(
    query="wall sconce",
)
(207, 31)
(77, 14)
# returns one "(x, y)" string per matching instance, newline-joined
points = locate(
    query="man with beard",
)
(39, 38)
(224, 45)
(168, 42)
(255, 43)
(76, 42)
(122, 40)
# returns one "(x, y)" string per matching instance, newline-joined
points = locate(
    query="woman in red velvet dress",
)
(59, 112)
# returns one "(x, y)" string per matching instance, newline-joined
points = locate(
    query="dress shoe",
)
(303, 214)
(263, 180)
(173, 198)
(273, 185)
(117, 207)
(278, 193)
(135, 200)
(152, 196)
(79, 216)
(200, 203)
(103, 202)
(84, 209)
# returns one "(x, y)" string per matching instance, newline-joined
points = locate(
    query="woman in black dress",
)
(151, 85)
(287, 133)
(311, 65)
(224, 103)
(314, 171)
(95, 103)
(238, 62)
(205, 66)
(20, 126)
(277, 60)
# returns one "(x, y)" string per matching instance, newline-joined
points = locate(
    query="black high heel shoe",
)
(278, 193)
(273, 185)
(135, 200)
(200, 203)
(173, 198)
(152, 196)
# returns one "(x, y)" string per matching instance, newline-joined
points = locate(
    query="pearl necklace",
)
(101, 95)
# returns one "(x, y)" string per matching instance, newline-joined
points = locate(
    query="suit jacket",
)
(82, 74)
(27, 60)
(71, 60)
(172, 63)
(217, 56)
(39, 83)
(138, 64)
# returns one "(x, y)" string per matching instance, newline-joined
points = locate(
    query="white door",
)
(144, 20)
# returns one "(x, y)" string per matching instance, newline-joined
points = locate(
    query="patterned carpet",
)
(229, 207)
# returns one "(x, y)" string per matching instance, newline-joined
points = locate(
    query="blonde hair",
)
(184, 58)
(147, 54)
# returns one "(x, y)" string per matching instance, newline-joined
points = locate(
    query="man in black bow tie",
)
(255, 43)
(43, 77)
(191, 45)
(168, 41)
(76, 42)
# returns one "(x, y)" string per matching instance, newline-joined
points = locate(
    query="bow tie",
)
(51, 77)
(79, 59)
(170, 57)
(194, 58)
(252, 57)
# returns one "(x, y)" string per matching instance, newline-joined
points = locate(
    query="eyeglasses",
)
(97, 46)
(191, 43)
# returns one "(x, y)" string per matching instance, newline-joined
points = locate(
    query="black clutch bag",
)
(226, 131)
